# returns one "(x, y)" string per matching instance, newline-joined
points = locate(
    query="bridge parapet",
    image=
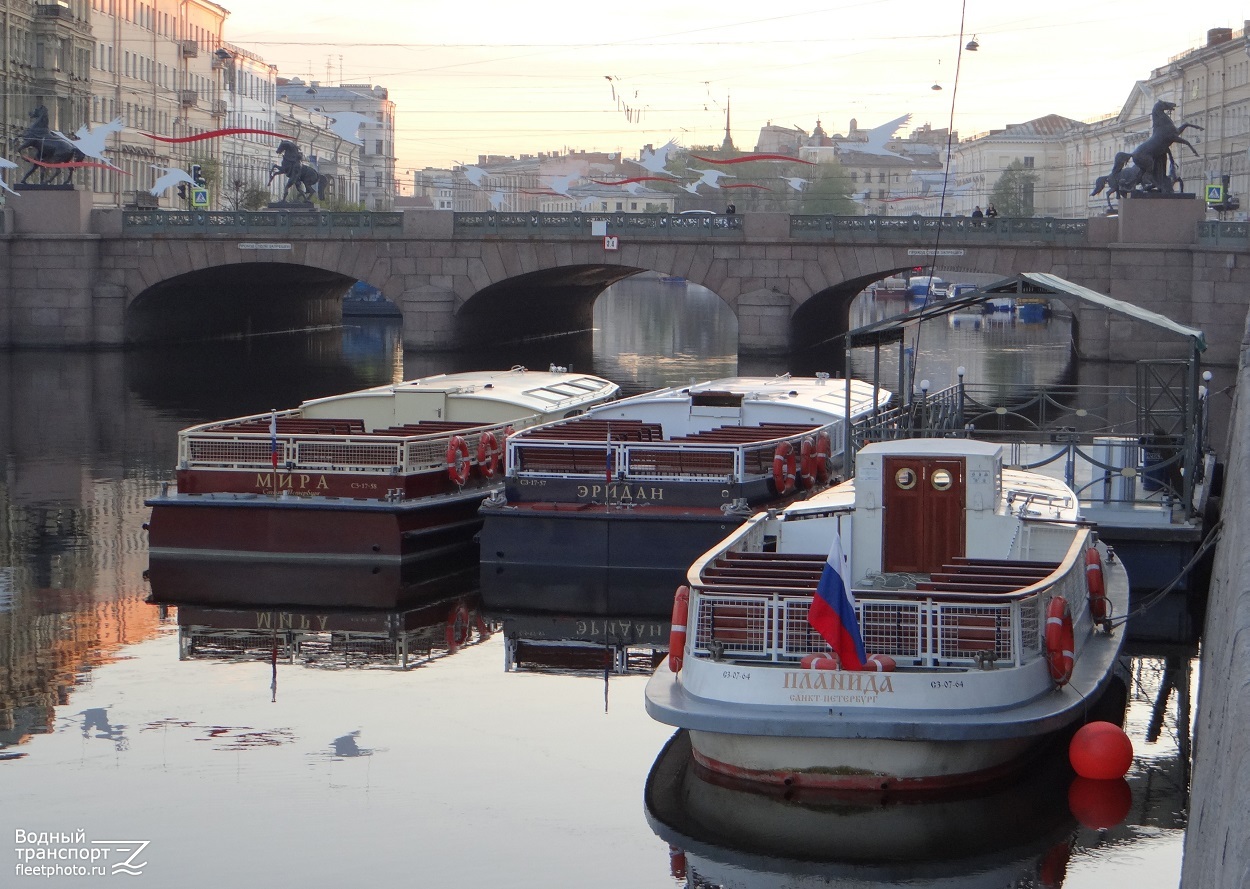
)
(632, 225)
(1224, 234)
(951, 229)
(262, 222)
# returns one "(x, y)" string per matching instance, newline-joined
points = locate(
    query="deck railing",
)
(233, 223)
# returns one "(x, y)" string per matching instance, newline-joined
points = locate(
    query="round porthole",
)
(942, 480)
(905, 479)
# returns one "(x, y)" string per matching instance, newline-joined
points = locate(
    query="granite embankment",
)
(1217, 842)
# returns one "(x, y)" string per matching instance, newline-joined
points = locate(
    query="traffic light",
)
(182, 191)
(196, 174)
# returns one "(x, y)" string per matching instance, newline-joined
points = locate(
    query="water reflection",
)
(732, 835)
(582, 642)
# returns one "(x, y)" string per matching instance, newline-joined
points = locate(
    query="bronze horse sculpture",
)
(49, 148)
(1150, 167)
(302, 177)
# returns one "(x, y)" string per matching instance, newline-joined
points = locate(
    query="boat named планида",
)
(982, 600)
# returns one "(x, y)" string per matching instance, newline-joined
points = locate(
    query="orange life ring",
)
(1060, 641)
(458, 460)
(783, 467)
(823, 458)
(1094, 582)
(457, 627)
(807, 462)
(489, 454)
(677, 635)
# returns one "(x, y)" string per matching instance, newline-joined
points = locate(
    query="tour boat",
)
(391, 473)
(983, 601)
(606, 511)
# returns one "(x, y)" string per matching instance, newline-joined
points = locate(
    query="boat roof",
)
(820, 393)
(891, 330)
(536, 390)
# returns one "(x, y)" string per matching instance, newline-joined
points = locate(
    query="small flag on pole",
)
(273, 438)
(832, 612)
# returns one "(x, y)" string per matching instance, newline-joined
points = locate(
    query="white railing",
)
(916, 628)
(657, 460)
(358, 453)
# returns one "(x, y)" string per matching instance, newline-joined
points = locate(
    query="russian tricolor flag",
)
(832, 612)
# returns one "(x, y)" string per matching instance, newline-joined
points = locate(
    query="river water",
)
(214, 760)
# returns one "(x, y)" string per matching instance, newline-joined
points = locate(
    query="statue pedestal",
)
(51, 211)
(1161, 218)
(292, 205)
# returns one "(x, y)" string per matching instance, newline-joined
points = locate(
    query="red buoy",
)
(1094, 582)
(1099, 805)
(880, 663)
(1100, 750)
(822, 660)
(677, 634)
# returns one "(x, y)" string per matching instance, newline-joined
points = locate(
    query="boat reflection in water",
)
(730, 834)
(438, 616)
(591, 643)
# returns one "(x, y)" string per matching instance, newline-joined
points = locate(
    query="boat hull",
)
(857, 763)
(314, 529)
(592, 557)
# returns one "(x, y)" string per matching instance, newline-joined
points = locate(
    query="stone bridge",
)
(81, 277)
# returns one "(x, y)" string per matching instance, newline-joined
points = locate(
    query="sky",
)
(491, 77)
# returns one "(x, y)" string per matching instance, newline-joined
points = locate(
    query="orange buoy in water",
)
(677, 633)
(1099, 805)
(1100, 750)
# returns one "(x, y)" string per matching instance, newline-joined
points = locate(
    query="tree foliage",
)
(1013, 192)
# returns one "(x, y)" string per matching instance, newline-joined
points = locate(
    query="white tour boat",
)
(605, 512)
(984, 605)
(383, 475)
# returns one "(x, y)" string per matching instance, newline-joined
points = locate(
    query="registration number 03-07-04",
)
(946, 683)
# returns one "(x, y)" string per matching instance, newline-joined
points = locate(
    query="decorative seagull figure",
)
(654, 161)
(795, 182)
(693, 187)
(584, 203)
(712, 177)
(6, 164)
(560, 184)
(496, 199)
(344, 124)
(172, 176)
(877, 137)
(475, 175)
(91, 142)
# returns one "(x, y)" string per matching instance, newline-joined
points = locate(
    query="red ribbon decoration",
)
(635, 179)
(213, 134)
(754, 157)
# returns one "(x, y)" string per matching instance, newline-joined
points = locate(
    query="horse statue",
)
(302, 177)
(1150, 167)
(49, 148)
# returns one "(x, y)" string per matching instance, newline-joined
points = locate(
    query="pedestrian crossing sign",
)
(1215, 194)
(199, 198)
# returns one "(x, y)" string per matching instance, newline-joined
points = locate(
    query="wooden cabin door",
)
(924, 503)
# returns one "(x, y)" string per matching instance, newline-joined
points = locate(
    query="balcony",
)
(190, 49)
(219, 106)
(188, 98)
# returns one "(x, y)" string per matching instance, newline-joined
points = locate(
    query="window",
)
(1028, 163)
(377, 146)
